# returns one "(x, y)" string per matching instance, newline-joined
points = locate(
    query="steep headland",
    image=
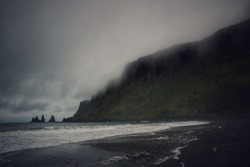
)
(208, 77)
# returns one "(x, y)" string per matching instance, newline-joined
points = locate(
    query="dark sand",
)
(221, 143)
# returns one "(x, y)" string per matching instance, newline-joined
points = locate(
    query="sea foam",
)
(60, 133)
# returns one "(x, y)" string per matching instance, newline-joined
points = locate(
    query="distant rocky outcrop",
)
(36, 119)
(42, 119)
(52, 119)
(70, 119)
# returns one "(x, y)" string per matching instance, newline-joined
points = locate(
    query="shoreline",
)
(121, 135)
(28, 136)
(201, 145)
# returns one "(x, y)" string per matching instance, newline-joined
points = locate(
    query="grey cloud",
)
(20, 105)
(53, 54)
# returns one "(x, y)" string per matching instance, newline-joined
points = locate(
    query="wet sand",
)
(220, 143)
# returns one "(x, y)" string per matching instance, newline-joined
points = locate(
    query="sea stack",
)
(42, 119)
(52, 119)
(36, 119)
(70, 119)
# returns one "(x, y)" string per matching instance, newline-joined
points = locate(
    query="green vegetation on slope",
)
(183, 95)
(208, 77)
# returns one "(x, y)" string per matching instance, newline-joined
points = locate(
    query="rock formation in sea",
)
(70, 119)
(52, 119)
(36, 119)
(42, 119)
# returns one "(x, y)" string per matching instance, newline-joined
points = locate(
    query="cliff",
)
(206, 77)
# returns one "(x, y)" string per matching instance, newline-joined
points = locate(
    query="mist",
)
(57, 53)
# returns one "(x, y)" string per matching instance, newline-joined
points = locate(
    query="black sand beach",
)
(218, 144)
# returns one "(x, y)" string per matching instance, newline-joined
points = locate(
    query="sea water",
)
(20, 136)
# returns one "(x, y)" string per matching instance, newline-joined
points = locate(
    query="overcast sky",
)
(56, 53)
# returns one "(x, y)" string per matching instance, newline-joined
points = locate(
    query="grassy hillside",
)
(184, 95)
(186, 80)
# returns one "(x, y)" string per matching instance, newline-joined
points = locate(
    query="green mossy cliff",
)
(207, 77)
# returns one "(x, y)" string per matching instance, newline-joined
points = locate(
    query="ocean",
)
(20, 136)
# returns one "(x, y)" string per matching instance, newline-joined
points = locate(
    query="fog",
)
(56, 53)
